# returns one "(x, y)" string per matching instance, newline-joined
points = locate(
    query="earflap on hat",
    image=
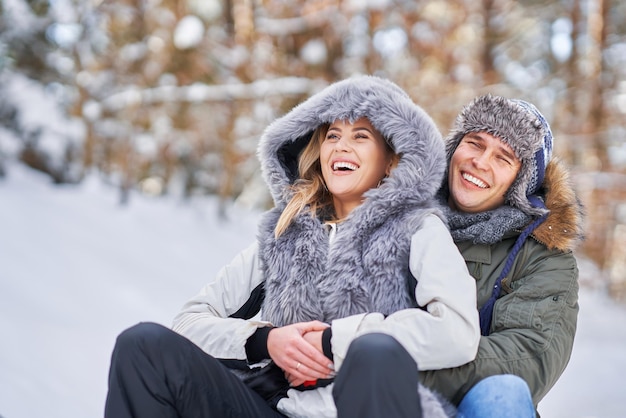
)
(543, 155)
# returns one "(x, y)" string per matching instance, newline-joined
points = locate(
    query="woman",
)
(353, 284)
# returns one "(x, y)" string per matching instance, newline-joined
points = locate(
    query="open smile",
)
(344, 166)
(474, 180)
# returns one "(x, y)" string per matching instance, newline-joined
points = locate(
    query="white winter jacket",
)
(444, 334)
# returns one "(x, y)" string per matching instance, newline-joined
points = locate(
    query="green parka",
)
(534, 319)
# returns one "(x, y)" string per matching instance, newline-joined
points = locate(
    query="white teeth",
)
(344, 164)
(474, 180)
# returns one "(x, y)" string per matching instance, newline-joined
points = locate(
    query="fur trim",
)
(434, 405)
(366, 270)
(409, 130)
(563, 229)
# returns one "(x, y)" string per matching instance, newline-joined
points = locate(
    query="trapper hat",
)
(520, 125)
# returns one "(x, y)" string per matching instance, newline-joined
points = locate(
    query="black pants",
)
(377, 379)
(157, 373)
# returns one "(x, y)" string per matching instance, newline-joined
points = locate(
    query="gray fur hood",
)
(409, 130)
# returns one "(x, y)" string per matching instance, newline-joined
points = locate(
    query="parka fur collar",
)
(366, 269)
(563, 228)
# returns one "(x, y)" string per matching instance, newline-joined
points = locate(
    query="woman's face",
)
(354, 159)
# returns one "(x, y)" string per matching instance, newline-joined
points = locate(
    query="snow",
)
(76, 268)
(362, 5)
(590, 387)
(390, 42)
(188, 32)
(20, 16)
(314, 52)
(199, 92)
(39, 115)
(209, 9)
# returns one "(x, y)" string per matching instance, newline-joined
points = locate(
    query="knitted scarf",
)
(485, 227)
(489, 228)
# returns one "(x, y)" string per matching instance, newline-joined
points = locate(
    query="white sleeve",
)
(205, 318)
(444, 334)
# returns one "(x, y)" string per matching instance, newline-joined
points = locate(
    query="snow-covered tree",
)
(171, 96)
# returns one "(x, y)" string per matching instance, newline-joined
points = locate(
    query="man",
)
(515, 218)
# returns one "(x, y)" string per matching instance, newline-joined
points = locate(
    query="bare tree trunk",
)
(90, 139)
(490, 75)
(592, 114)
(598, 32)
(230, 159)
(570, 122)
(229, 17)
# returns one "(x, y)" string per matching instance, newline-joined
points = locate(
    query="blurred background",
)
(169, 97)
(128, 169)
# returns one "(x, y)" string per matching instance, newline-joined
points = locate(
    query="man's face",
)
(481, 171)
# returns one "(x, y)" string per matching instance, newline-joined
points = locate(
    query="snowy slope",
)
(76, 269)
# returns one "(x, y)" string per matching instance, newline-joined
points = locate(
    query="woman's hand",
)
(315, 339)
(301, 360)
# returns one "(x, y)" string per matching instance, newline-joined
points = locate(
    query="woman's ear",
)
(393, 162)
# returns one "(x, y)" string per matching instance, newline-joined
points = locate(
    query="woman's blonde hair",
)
(310, 189)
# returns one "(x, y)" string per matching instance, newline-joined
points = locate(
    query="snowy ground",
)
(76, 269)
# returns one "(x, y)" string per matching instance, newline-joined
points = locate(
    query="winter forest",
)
(165, 100)
(170, 96)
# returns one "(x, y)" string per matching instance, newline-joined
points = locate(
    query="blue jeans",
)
(501, 396)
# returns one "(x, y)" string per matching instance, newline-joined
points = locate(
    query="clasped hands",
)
(297, 350)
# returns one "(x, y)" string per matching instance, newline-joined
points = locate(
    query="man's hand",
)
(297, 349)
